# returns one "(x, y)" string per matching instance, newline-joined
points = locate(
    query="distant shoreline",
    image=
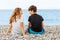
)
(44, 25)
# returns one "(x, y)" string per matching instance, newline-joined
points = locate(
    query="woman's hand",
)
(8, 29)
(5, 33)
(25, 35)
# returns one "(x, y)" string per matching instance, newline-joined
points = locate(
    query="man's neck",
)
(34, 13)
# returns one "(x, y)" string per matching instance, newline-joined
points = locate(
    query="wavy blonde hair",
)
(15, 13)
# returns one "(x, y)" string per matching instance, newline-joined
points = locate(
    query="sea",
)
(50, 16)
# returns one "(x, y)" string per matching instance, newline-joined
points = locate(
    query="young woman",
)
(16, 22)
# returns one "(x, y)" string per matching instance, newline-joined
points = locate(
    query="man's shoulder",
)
(39, 15)
(35, 15)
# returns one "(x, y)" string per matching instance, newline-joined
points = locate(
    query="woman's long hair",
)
(17, 12)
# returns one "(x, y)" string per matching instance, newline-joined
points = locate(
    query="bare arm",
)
(29, 24)
(9, 28)
(22, 28)
(42, 23)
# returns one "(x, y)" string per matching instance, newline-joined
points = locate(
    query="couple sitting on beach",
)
(35, 22)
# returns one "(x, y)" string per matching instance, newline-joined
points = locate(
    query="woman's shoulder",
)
(21, 19)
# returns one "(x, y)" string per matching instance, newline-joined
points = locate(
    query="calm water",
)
(51, 17)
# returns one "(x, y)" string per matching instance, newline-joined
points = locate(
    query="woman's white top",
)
(16, 26)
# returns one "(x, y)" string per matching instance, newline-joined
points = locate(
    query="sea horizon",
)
(51, 16)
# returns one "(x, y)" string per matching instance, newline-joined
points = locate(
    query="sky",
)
(24, 4)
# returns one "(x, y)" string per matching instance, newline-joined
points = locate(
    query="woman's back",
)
(16, 25)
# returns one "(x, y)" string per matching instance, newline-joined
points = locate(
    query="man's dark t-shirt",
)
(36, 22)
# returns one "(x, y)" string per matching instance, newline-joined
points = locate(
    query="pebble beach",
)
(51, 33)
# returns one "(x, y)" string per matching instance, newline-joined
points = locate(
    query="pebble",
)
(51, 33)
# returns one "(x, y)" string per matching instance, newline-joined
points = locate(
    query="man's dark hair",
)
(32, 8)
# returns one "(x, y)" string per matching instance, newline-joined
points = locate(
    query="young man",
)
(35, 21)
